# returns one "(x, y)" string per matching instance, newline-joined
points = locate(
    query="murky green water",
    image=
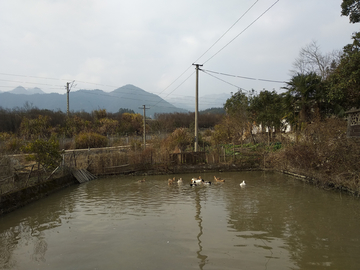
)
(275, 222)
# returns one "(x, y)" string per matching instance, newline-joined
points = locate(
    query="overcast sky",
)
(152, 44)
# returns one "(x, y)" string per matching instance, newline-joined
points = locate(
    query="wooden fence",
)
(239, 156)
(114, 160)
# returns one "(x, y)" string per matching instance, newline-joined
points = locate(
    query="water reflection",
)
(198, 218)
(27, 228)
(275, 222)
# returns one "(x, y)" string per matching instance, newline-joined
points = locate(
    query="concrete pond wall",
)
(12, 201)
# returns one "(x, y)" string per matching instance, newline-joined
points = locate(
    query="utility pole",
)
(67, 95)
(144, 124)
(68, 88)
(196, 106)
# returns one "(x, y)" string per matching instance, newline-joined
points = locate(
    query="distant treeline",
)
(125, 121)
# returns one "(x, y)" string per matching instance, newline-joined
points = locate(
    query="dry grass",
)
(323, 153)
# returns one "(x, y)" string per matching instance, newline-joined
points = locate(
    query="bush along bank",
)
(323, 155)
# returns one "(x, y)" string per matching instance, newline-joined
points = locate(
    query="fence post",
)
(74, 158)
(38, 172)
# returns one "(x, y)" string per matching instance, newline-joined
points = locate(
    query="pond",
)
(274, 222)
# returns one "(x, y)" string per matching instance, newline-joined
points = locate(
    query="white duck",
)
(197, 181)
(242, 184)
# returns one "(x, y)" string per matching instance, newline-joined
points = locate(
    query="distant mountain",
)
(30, 91)
(205, 102)
(127, 97)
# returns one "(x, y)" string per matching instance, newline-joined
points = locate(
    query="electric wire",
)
(242, 77)
(78, 88)
(48, 78)
(45, 84)
(177, 86)
(238, 87)
(37, 77)
(262, 14)
(208, 49)
(227, 31)
(132, 96)
(223, 46)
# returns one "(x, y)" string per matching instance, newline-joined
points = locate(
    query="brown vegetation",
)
(324, 154)
(319, 150)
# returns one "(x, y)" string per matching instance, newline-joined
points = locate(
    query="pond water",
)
(274, 222)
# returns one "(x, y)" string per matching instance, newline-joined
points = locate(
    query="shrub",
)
(180, 138)
(90, 139)
(207, 133)
(45, 152)
(135, 145)
(13, 145)
(10, 143)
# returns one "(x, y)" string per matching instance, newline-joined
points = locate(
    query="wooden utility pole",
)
(196, 106)
(144, 124)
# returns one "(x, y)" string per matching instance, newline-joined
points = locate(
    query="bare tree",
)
(311, 59)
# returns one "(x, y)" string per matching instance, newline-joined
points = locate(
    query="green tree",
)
(351, 8)
(238, 119)
(45, 152)
(303, 98)
(266, 109)
(344, 83)
(223, 132)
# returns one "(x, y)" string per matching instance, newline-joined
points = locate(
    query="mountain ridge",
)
(126, 97)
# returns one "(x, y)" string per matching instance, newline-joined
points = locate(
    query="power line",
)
(207, 50)
(37, 77)
(227, 31)
(125, 96)
(177, 86)
(27, 82)
(262, 14)
(222, 47)
(222, 80)
(74, 87)
(48, 78)
(242, 77)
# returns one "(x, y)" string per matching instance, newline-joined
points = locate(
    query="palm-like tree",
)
(303, 97)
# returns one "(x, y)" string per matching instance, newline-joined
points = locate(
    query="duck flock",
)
(195, 181)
